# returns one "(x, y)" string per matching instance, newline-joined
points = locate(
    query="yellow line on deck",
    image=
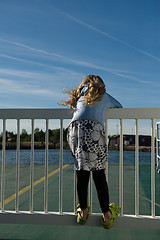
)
(11, 198)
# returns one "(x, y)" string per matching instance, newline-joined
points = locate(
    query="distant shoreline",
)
(39, 145)
(131, 148)
(27, 145)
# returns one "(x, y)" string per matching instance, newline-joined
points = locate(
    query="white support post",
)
(121, 169)
(61, 167)
(17, 166)
(75, 191)
(153, 170)
(137, 169)
(46, 171)
(158, 146)
(106, 128)
(32, 168)
(90, 192)
(3, 166)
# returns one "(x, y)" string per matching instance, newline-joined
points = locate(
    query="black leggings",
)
(101, 187)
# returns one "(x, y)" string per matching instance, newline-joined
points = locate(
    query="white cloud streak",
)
(27, 75)
(12, 86)
(22, 60)
(31, 48)
(21, 74)
(116, 72)
(106, 34)
(67, 60)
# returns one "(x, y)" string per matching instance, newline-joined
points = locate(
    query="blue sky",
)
(50, 45)
(47, 46)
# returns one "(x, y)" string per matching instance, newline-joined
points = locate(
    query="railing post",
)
(158, 147)
(75, 191)
(61, 167)
(90, 192)
(3, 166)
(106, 130)
(46, 171)
(17, 166)
(32, 167)
(137, 169)
(121, 169)
(153, 169)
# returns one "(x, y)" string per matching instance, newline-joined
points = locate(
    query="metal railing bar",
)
(106, 128)
(153, 169)
(3, 166)
(133, 113)
(90, 192)
(34, 113)
(32, 166)
(121, 169)
(17, 166)
(115, 113)
(61, 167)
(75, 191)
(137, 169)
(46, 170)
(157, 146)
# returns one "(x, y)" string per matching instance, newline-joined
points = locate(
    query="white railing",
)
(32, 114)
(59, 218)
(158, 146)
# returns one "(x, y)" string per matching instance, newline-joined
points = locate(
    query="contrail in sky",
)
(31, 48)
(106, 34)
(118, 73)
(65, 59)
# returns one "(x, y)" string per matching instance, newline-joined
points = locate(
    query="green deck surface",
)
(22, 231)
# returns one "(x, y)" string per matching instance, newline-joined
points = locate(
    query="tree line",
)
(39, 137)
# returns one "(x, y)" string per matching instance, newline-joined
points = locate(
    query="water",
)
(54, 156)
(129, 157)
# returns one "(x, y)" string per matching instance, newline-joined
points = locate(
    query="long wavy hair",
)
(93, 95)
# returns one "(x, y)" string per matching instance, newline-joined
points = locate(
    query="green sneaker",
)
(81, 220)
(115, 212)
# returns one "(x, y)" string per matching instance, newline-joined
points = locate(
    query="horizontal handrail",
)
(37, 113)
(133, 113)
(61, 113)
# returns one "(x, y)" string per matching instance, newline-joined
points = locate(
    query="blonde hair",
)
(93, 95)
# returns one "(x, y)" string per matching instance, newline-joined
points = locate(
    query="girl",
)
(86, 138)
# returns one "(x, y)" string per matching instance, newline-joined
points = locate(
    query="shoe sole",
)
(115, 212)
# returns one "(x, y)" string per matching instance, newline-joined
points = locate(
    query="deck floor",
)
(22, 231)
